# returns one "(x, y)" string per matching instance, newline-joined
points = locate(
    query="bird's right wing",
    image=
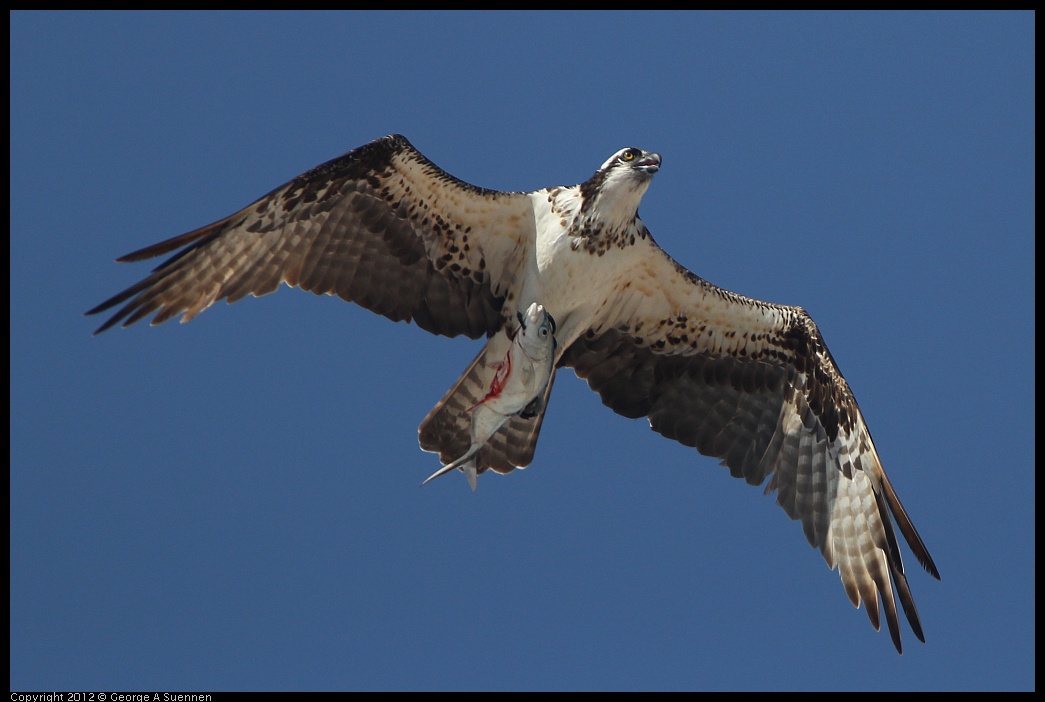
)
(381, 226)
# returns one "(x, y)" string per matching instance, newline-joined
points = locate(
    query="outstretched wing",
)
(381, 226)
(754, 385)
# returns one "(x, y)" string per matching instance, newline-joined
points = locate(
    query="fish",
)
(516, 388)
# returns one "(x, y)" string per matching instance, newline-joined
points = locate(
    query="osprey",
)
(747, 382)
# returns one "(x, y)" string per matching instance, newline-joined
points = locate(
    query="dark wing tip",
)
(111, 321)
(189, 241)
(174, 243)
(906, 526)
(112, 302)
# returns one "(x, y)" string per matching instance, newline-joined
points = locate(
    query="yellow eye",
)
(628, 155)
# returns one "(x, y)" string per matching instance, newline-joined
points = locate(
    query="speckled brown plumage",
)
(748, 382)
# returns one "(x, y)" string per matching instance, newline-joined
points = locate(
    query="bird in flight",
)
(747, 382)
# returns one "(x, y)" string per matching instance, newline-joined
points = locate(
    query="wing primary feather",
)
(906, 527)
(191, 240)
(173, 243)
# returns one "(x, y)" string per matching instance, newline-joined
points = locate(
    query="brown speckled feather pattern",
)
(749, 383)
(764, 396)
(380, 226)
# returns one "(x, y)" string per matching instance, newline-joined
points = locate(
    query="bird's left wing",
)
(381, 226)
(754, 385)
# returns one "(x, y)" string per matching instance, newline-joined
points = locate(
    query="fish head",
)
(536, 331)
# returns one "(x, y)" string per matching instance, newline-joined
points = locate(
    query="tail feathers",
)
(513, 445)
(447, 428)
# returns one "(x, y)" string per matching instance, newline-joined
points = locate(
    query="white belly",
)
(578, 288)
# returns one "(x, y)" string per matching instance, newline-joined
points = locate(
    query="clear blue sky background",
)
(234, 503)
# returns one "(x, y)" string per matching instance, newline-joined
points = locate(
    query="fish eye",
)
(544, 332)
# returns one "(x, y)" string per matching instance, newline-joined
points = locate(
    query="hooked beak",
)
(648, 164)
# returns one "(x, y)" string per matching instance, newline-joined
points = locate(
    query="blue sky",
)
(234, 503)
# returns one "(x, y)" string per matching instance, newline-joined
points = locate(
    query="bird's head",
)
(614, 192)
(631, 162)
